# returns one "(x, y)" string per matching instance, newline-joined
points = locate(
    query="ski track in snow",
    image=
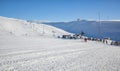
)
(57, 55)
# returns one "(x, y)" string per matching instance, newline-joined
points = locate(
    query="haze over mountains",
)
(91, 28)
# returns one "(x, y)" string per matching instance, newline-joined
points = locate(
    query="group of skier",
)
(81, 36)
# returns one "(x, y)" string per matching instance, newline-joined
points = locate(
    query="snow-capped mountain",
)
(11, 26)
(91, 28)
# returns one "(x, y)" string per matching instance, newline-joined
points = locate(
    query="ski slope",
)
(41, 52)
(50, 54)
(17, 27)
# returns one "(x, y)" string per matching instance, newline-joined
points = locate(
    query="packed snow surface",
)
(24, 47)
(51, 54)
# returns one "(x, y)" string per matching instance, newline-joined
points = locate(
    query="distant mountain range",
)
(91, 28)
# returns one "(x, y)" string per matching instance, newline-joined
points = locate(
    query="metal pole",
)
(99, 26)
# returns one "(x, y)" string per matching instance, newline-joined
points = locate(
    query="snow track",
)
(57, 55)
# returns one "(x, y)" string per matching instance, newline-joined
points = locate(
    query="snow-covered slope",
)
(10, 26)
(51, 54)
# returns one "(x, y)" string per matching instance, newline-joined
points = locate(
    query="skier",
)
(106, 41)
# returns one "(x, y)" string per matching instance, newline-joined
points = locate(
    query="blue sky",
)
(60, 10)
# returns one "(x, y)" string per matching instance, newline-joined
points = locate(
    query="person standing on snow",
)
(85, 39)
(82, 33)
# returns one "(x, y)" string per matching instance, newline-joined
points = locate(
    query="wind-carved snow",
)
(43, 53)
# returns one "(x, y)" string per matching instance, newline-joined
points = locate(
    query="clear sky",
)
(60, 10)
